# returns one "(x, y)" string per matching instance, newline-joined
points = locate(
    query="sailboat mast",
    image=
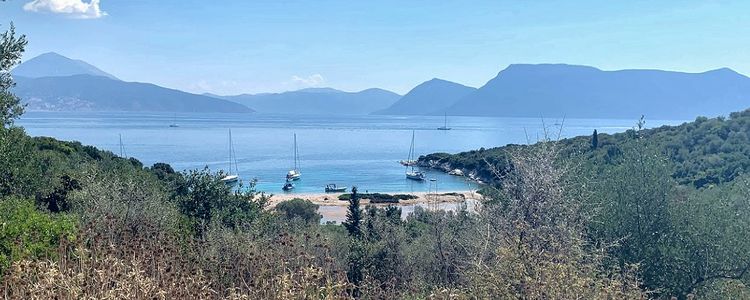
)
(411, 152)
(230, 151)
(296, 153)
(121, 149)
(445, 122)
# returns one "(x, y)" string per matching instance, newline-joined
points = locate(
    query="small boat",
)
(174, 122)
(456, 172)
(332, 188)
(231, 178)
(413, 175)
(445, 123)
(294, 174)
(288, 186)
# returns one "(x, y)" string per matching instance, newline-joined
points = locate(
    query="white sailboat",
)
(445, 123)
(174, 122)
(413, 174)
(409, 161)
(123, 154)
(294, 174)
(231, 177)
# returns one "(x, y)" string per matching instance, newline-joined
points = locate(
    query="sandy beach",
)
(331, 199)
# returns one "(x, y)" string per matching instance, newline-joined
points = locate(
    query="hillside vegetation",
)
(703, 153)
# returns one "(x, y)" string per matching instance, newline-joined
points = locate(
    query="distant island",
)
(430, 97)
(559, 90)
(52, 82)
(318, 101)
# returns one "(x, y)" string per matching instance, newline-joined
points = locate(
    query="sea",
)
(360, 151)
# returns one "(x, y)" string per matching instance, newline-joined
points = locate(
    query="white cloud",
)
(78, 9)
(309, 81)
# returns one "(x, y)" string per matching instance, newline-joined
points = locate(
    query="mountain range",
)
(52, 64)
(318, 101)
(525, 90)
(430, 97)
(97, 93)
(54, 82)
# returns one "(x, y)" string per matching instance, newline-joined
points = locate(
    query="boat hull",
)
(230, 179)
(415, 176)
(293, 175)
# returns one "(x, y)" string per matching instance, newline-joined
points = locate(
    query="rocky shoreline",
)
(446, 167)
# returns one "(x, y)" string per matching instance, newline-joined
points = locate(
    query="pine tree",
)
(356, 255)
(595, 140)
(353, 221)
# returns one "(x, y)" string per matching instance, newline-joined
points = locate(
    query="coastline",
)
(331, 199)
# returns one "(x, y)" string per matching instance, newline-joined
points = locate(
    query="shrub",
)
(380, 198)
(27, 233)
(299, 209)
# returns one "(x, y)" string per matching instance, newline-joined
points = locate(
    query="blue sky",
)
(232, 47)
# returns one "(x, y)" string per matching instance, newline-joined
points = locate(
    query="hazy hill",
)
(54, 65)
(97, 93)
(318, 101)
(579, 91)
(430, 97)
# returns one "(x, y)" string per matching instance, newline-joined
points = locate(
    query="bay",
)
(358, 151)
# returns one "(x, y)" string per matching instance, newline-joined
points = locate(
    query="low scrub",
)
(379, 198)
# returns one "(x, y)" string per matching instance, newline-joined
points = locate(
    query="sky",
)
(251, 46)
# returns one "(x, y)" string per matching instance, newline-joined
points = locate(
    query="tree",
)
(632, 198)
(11, 49)
(209, 199)
(595, 140)
(353, 223)
(301, 209)
(356, 257)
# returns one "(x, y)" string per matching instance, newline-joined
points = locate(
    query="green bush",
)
(380, 198)
(299, 209)
(27, 233)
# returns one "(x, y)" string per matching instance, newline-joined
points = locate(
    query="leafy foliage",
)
(11, 49)
(26, 233)
(705, 152)
(299, 209)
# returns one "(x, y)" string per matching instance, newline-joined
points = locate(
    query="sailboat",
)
(409, 161)
(122, 148)
(294, 174)
(174, 122)
(412, 174)
(231, 177)
(445, 123)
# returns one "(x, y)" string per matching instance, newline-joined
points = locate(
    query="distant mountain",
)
(55, 65)
(430, 97)
(97, 93)
(555, 90)
(318, 101)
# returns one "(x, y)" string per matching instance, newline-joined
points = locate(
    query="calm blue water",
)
(347, 150)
